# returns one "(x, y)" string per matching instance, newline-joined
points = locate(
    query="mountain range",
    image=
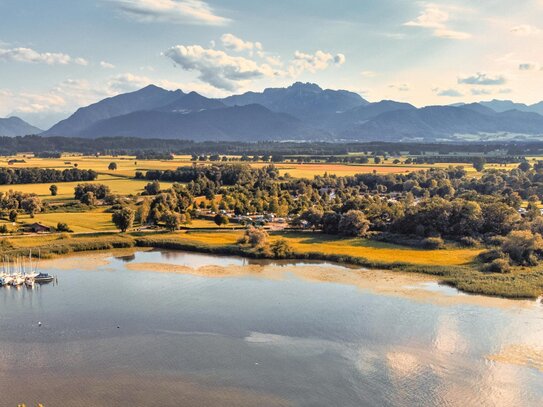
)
(302, 111)
(14, 126)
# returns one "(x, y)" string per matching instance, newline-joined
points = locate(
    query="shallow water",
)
(115, 337)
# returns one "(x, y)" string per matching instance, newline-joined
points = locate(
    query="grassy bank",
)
(454, 266)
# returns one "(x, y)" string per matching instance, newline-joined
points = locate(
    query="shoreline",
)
(410, 286)
(462, 277)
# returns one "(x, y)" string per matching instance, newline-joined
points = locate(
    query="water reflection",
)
(121, 338)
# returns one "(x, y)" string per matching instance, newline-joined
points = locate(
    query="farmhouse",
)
(38, 228)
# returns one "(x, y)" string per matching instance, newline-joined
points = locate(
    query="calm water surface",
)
(115, 337)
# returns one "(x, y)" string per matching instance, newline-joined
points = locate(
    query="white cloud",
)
(435, 17)
(175, 11)
(218, 68)
(106, 65)
(22, 54)
(229, 72)
(481, 78)
(526, 30)
(448, 92)
(318, 61)
(230, 41)
(450, 34)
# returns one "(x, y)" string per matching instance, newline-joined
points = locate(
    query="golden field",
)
(316, 242)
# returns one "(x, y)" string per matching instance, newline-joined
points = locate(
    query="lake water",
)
(113, 334)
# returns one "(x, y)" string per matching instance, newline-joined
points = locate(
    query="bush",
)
(524, 247)
(494, 240)
(433, 243)
(467, 241)
(491, 255)
(281, 249)
(123, 219)
(257, 239)
(3, 229)
(354, 223)
(498, 266)
(63, 227)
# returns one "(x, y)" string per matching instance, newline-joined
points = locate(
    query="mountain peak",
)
(307, 86)
(15, 126)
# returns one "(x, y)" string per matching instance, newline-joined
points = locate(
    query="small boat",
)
(17, 280)
(5, 279)
(42, 278)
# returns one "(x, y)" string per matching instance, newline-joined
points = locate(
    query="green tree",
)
(330, 222)
(13, 214)
(479, 163)
(112, 166)
(123, 218)
(281, 249)
(524, 166)
(523, 247)
(63, 227)
(54, 190)
(221, 219)
(142, 212)
(89, 199)
(172, 220)
(152, 188)
(354, 223)
(31, 205)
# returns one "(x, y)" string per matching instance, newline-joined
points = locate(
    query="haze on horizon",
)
(59, 55)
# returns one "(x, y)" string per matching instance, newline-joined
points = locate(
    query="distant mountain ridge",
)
(250, 122)
(149, 97)
(14, 126)
(302, 111)
(306, 101)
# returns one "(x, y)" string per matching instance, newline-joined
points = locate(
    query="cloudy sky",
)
(57, 55)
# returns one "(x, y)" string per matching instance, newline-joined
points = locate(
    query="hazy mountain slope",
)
(303, 100)
(192, 102)
(147, 98)
(14, 126)
(351, 118)
(248, 123)
(435, 122)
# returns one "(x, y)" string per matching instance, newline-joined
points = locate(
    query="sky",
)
(58, 55)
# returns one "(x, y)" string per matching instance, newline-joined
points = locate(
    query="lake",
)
(163, 328)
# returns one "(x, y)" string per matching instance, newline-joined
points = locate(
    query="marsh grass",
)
(464, 274)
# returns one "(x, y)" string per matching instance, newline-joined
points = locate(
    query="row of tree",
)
(10, 176)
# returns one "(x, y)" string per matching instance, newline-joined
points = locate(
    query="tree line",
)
(10, 176)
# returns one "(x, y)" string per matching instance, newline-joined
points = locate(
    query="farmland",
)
(386, 236)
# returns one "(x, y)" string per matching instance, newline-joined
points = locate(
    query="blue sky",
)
(57, 55)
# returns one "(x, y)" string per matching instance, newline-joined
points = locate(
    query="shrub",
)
(220, 219)
(63, 227)
(433, 243)
(257, 239)
(281, 249)
(123, 219)
(3, 229)
(494, 240)
(172, 220)
(491, 255)
(498, 266)
(467, 241)
(523, 247)
(354, 223)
